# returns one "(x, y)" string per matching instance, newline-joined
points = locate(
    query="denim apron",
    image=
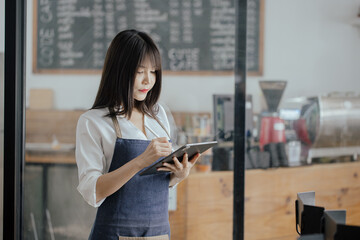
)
(139, 209)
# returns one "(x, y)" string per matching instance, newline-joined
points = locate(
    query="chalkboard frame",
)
(260, 59)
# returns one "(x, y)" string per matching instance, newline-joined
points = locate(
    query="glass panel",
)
(305, 114)
(2, 31)
(53, 208)
(66, 46)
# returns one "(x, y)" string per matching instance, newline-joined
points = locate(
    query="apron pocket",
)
(161, 237)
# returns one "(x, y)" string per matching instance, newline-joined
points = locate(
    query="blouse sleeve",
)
(90, 159)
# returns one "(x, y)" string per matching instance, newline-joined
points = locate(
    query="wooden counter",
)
(205, 200)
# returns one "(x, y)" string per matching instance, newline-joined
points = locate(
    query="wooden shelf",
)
(46, 158)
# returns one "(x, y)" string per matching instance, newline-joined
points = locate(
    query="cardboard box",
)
(41, 99)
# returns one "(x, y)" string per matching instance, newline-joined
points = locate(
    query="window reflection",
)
(57, 97)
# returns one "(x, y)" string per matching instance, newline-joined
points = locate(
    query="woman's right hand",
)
(158, 147)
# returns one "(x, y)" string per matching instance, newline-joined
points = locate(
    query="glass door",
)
(66, 45)
(305, 117)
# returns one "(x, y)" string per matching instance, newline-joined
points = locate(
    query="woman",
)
(124, 132)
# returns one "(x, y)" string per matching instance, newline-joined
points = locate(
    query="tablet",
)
(191, 149)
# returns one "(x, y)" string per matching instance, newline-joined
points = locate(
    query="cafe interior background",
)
(302, 130)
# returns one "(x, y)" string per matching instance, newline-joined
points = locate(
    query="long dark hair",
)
(124, 55)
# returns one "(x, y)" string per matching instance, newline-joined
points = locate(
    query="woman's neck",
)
(137, 118)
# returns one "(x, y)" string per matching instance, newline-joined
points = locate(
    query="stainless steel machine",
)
(330, 125)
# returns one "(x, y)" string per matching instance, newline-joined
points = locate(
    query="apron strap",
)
(117, 126)
(163, 127)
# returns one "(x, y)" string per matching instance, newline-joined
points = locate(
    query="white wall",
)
(309, 43)
(312, 45)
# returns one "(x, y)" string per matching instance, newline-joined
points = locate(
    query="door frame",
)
(14, 118)
(239, 121)
(14, 114)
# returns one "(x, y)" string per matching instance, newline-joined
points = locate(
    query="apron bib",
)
(139, 209)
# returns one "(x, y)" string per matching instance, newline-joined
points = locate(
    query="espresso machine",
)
(272, 128)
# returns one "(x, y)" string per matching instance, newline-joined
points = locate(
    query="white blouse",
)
(95, 143)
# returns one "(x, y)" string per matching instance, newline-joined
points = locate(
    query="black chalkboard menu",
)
(194, 36)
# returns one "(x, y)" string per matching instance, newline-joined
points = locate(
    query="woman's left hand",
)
(181, 169)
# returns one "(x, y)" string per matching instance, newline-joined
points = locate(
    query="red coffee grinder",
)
(272, 128)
